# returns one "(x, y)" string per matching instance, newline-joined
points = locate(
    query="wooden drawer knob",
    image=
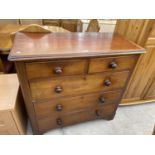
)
(98, 113)
(58, 89)
(59, 121)
(58, 70)
(107, 83)
(58, 107)
(113, 65)
(102, 99)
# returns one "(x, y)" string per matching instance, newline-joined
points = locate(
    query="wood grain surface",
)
(88, 64)
(74, 104)
(30, 46)
(45, 88)
(7, 29)
(49, 68)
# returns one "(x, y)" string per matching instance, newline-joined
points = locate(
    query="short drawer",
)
(55, 68)
(112, 63)
(82, 116)
(75, 104)
(77, 85)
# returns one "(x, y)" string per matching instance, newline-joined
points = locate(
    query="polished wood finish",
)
(75, 104)
(55, 68)
(48, 123)
(72, 45)
(31, 28)
(68, 86)
(61, 82)
(112, 63)
(141, 86)
(20, 67)
(13, 118)
(7, 29)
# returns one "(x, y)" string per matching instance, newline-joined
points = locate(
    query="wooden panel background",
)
(30, 21)
(9, 21)
(141, 85)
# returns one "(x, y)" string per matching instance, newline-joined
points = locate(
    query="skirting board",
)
(136, 102)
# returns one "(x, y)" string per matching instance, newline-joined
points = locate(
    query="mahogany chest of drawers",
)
(67, 78)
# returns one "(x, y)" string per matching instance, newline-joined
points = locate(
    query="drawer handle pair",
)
(59, 89)
(58, 70)
(113, 65)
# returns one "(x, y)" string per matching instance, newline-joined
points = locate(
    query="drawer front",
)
(112, 63)
(55, 68)
(75, 104)
(56, 122)
(60, 87)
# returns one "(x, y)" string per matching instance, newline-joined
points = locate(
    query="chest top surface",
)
(33, 46)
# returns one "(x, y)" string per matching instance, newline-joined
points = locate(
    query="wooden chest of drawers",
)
(67, 78)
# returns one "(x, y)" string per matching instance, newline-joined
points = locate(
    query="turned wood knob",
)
(107, 83)
(101, 99)
(58, 70)
(58, 89)
(98, 113)
(113, 65)
(58, 107)
(59, 121)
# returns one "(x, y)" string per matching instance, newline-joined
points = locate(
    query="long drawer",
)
(56, 122)
(75, 104)
(69, 86)
(55, 68)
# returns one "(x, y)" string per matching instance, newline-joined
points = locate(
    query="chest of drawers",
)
(67, 78)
